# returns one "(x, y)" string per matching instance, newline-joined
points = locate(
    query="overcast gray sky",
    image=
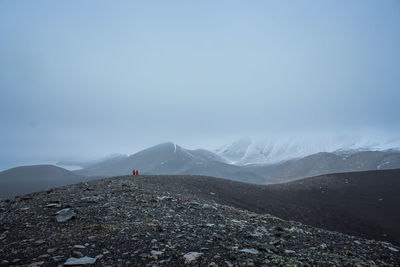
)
(90, 78)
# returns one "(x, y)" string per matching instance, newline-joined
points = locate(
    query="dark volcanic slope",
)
(133, 221)
(358, 203)
(325, 163)
(27, 179)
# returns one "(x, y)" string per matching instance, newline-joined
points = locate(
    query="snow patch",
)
(279, 149)
(380, 165)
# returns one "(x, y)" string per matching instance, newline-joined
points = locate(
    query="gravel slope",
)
(132, 221)
(358, 203)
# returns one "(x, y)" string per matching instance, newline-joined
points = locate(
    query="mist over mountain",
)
(325, 163)
(170, 158)
(274, 150)
(87, 163)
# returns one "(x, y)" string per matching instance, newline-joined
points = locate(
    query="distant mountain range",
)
(169, 158)
(172, 159)
(248, 151)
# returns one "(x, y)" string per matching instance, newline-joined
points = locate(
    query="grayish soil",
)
(137, 221)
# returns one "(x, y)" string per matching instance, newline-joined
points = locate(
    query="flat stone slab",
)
(80, 261)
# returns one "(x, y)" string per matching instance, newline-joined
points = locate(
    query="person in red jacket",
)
(137, 172)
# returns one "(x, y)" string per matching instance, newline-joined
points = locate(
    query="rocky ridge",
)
(119, 222)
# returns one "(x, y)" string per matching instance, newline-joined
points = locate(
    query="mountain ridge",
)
(247, 151)
(170, 158)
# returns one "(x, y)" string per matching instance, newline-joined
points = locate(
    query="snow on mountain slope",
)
(170, 158)
(247, 151)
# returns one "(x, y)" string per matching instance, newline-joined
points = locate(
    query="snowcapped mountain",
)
(246, 160)
(170, 158)
(247, 151)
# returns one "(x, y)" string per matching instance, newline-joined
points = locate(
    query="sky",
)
(83, 79)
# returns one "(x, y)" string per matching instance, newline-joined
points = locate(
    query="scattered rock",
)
(164, 198)
(192, 256)
(348, 253)
(57, 258)
(77, 254)
(3, 235)
(323, 246)
(34, 264)
(218, 236)
(51, 250)
(249, 250)
(65, 215)
(156, 253)
(39, 242)
(289, 251)
(80, 261)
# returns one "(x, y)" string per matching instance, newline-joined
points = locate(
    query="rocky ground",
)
(127, 221)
